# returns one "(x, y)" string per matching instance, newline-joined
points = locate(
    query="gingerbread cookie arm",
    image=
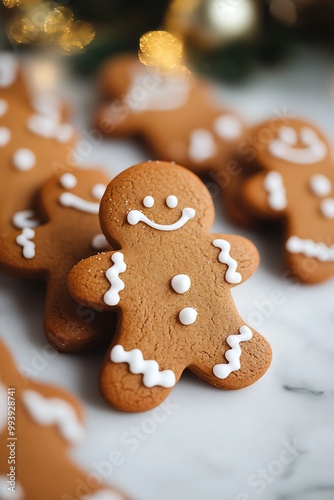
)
(264, 193)
(238, 255)
(22, 253)
(95, 282)
(116, 118)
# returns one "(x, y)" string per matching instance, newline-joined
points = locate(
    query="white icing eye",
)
(148, 201)
(98, 191)
(288, 135)
(24, 159)
(68, 181)
(5, 136)
(308, 135)
(3, 107)
(320, 185)
(172, 201)
(228, 127)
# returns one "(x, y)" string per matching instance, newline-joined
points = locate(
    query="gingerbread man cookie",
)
(70, 203)
(38, 425)
(175, 114)
(296, 184)
(171, 280)
(31, 148)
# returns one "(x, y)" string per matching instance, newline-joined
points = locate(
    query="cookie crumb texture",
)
(170, 280)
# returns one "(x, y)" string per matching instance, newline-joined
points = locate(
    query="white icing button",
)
(188, 316)
(24, 159)
(228, 127)
(98, 191)
(68, 181)
(181, 283)
(5, 136)
(202, 145)
(3, 107)
(148, 201)
(308, 135)
(320, 185)
(172, 201)
(327, 208)
(288, 135)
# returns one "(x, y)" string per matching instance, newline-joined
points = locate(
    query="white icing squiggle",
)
(24, 240)
(6, 494)
(103, 495)
(315, 151)
(111, 297)
(310, 248)
(54, 411)
(231, 276)
(274, 185)
(202, 145)
(152, 376)
(3, 408)
(134, 216)
(223, 370)
(25, 218)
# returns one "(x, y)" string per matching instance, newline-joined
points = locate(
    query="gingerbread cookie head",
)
(294, 145)
(171, 280)
(31, 147)
(143, 199)
(296, 184)
(48, 422)
(177, 115)
(73, 194)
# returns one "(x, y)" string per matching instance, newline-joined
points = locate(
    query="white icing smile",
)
(67, 199)
(135, 216)
(315, 149)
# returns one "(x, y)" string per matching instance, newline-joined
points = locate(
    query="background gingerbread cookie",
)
(23, 79)
(32, 147)
(45, 422)
(70, 204)
(296, 185)
(171, 280)
(175, 114)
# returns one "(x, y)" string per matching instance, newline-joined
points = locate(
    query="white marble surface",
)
(271, 441)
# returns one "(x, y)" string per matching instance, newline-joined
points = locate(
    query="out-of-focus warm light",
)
(44, 23)
(78, 37)
(162, 51)
(284, 10)
(11, 3)
(231, 18)
(43, 75)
